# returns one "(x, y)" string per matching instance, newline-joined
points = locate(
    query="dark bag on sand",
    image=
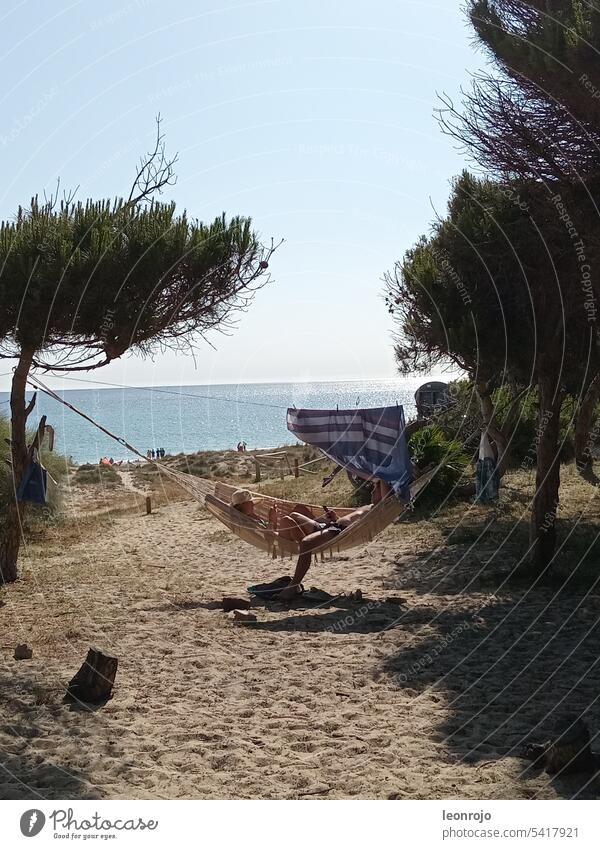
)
(269, 591)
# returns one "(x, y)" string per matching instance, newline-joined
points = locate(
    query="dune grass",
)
(96, 474)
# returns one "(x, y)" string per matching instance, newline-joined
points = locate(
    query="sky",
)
(314, 118)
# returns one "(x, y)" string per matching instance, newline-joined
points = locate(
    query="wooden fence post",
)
(296, 469)
(148, 505)
(257, 472)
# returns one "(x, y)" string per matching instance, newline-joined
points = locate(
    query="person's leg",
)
(296, 527)
(302, 567)
(303, 562)
(303, 510)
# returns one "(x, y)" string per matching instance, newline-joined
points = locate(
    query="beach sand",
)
(430, 699)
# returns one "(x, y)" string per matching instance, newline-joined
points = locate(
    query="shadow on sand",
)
(510, 658)
(25, 771)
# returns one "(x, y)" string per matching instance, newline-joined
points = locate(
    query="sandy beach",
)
(431, 698)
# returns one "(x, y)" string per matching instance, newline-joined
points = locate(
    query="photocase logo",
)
(32, 822)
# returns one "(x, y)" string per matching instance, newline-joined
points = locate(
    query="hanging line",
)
(38, 385)
(5, 400)
(194, 485)
(179, 394)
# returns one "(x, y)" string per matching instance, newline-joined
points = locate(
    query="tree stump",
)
(568, 751)
(94, 681)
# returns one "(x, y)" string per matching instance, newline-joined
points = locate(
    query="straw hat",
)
(240, 496)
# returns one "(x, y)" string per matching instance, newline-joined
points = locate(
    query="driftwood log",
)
(94, 682)
(568, 750)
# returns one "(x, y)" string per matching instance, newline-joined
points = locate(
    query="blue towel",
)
(368, 442)
(33, 484)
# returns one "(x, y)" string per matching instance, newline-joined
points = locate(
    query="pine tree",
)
(82, 283)
(536, 113)
(492, 290)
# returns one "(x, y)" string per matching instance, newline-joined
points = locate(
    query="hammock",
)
(216, 497)
(361, 532)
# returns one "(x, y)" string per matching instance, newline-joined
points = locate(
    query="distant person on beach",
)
(148, 454)
(303, 527)
(162, 453)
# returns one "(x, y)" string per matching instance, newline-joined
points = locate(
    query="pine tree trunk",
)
(584, 440)
(10, 541)
(547, 479)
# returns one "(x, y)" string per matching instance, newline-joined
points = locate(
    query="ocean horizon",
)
(201, 417)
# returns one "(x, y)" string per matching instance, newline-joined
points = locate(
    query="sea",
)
(201, 418)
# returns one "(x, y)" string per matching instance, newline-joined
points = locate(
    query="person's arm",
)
(330, 515)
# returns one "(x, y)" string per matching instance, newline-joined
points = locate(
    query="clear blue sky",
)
(313, 117)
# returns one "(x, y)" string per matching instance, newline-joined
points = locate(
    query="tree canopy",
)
(495, 289)
(82, 284)
(538, 115)
(519, 251)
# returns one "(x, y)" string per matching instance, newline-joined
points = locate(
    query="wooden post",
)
(51, 436)
(257, 472)
(148, 505)
(296, 469)
(281, 470)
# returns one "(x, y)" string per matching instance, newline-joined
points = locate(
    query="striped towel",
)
(370, 443)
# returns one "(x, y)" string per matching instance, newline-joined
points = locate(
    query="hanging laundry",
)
(369, 442)
(33, 484)
(487, 480)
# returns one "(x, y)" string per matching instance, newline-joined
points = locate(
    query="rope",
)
(180, 394)
(190, 483)
(5, 374)
(38, 385)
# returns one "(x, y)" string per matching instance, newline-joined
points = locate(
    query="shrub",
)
(463, 417)
(431, 446)
(89, 474)
(361, 495)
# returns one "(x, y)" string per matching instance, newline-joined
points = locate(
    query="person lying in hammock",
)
(243, 501)
(310, 533)
(302, 526)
